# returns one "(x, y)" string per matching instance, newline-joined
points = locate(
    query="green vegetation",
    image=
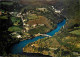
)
(32, 16)
(68, 40)
(3, 17)
(77, 27)
(7, 3)
(41, 29)
(62, 45)
(16, 21)
(14, 28)
(72, 9)
(77, 32)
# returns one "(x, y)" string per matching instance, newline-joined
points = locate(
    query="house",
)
(42, 9)
(78, 45)
(11, 13)
(57, 11)
(24, 24)
(53, 7)
(23, 14)
(75, 53)
(19, 15)
(34, 25)
(24, 20)
(41, 24)
(18, 36)
(27, 29)
(36, 45)
(27, 25)
(24, 30)
(27, 13)
(14, 33)
(41, 21)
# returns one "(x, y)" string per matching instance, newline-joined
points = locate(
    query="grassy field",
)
(77, 32)
(3, 17)
(32, 16)
(7, 3)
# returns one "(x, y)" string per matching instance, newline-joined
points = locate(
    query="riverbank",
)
(66, 42)
(17, 48)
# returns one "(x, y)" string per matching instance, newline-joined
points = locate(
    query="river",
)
(18, 48)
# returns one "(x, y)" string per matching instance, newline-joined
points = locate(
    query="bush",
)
(14, 28)
(16, 21)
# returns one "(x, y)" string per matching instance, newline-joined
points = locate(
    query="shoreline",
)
(18, 48)
(21, 40)
(44, 33)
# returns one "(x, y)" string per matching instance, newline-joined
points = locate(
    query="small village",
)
(30, 19)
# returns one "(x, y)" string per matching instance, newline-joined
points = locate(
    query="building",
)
(14, 33)
(24, 20)
(41, 24)
(19, 15)
(18, 36)
(57, 11)
(27, 29)
(34, 25)
(41, 21)
(42, 9)
(75, 53)
(53, 7)
(27, 25)
(24, 24)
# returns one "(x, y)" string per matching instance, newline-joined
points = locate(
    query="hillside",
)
(68, 37)
(23, 19)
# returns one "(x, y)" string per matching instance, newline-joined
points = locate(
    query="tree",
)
(14, 28)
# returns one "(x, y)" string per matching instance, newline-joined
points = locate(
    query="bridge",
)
(42, 35)
(45, 35)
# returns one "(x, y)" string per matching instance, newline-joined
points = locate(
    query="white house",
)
(11, 12)
(42, 9)
(34, 25)
(53, 7)
(75, 53)
(24, 23)
(57, 11)
(41, 24)
(14, 33)
(19, 15)
(27, 25)
(18, 36)
(27, 28)
(24, 20)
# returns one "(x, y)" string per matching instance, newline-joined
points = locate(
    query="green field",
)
(77, 32)
(32, 16)
(3, 17)
(7, 3)
(14, 28)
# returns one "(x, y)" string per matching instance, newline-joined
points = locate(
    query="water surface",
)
(18, 48)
